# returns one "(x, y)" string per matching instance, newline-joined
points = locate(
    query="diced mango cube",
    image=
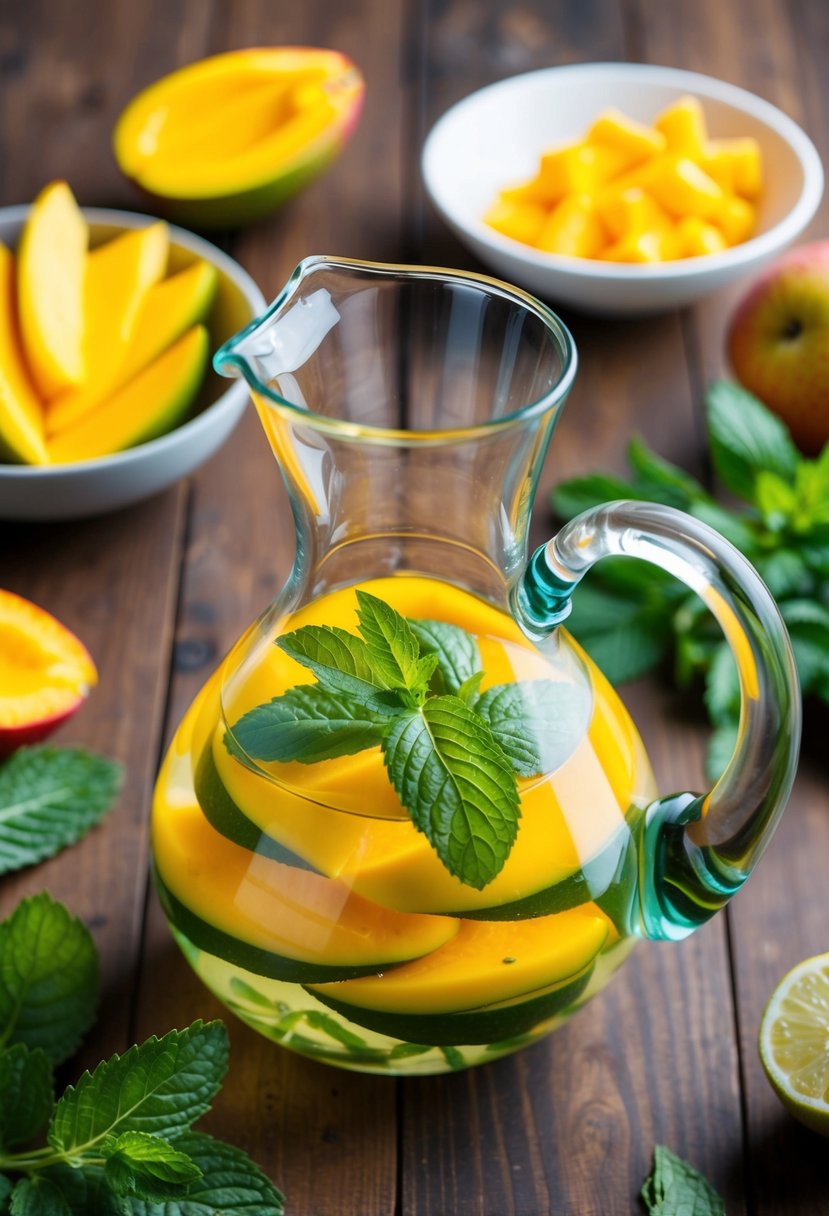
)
(735, 218)
(647, 246)
(735, 164)
(683, 125)
(695, 237)
(572, 169)
(628, 210)
(521, 221)
(682, 187)
(627, 135)
(573, 228)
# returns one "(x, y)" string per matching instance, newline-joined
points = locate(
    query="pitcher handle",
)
(697, 850)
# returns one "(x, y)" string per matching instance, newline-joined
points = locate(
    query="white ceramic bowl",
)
(494, 138)
(91, 487)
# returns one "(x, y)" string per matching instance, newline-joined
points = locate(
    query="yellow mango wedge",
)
(21, 416)
(170, 309)
(118, 277)
(155, 401)
(51, 267)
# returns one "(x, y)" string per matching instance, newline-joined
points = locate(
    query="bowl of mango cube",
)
(108, 320)
(621, 188)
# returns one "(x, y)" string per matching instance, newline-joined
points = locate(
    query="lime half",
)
(794, 1042)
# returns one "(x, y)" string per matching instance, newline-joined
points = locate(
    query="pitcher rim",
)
(226, 357)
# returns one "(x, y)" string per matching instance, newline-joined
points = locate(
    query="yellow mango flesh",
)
(150, 404)
(44, 669)
(624, 192)
(487, 962)
(51, 264)
(227, 122)
(21, 414)
(167, 310)
(279, 908)
(566, 818)
(118, 276)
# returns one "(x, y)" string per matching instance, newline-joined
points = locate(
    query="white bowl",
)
(495, 137)
(91, 487)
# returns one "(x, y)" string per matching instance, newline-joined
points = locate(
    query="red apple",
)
(778, 342)
(45, 673)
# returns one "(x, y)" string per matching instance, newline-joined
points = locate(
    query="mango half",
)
(227, 139)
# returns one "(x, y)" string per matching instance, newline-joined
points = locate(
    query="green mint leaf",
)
(667, 482)
(468, 691)
(736, 530)
(393, 648)
(456, 651)
(38, 1196)
(578, 494)
(6, 1188)
(148, 1167)
(27, 1095)
(538, 723)
(457, 785)
(49, 978)
(775, 498)
(230, 1183)
(808, 626)
(720, 749)
(675, 1188)
(625, 637)
(722, 687)
(338, 659)
(308, 723)
(49, 798)
(84, 1191)
(746, 438)
(786, 573)
(159, 1087)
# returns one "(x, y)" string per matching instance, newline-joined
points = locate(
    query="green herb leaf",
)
(729, 525)
(468, 691)
(27, 1095)
(538, 723)
(775, 498)
(147, 1166)
(457, 785)
(746, 439)
(720, 749)
(625, 637)
(49, 798)
(338, 659)
(785, 572)
(49, 978)
(571, 497)
(6, 1188)
(458, 658)
(159, 1087)
(230, 1182)
(393, 648)
(808, 625)
(722, 687)
(308, 723)
(675, 1188)
(38, 1196)
(84, 1191)
(675, 487)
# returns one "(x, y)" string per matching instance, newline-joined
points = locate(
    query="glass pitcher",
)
(408, 825)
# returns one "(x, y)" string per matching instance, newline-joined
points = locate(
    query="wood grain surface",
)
(159, 592)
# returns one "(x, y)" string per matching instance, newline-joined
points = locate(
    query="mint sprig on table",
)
(675, 1188)
(119, 1142)
(412, 687)
(49, 798)
(631, 617)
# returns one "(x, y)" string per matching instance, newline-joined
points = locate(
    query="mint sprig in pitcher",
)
(408, 825)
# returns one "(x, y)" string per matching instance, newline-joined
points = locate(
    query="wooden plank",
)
(569, 1125)
(112, 580)
(781, 917)
(327, 1137)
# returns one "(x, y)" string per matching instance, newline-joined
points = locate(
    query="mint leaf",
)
(230, 1183)
(6, 1188)
(49, 978)
(38, 1196)
(775, 498)
(458, 658)
(720, 749)
(571, 497)
(808, 626)
(722, 687)
(159, 1087)
(666, 482)
(338, 659)
(84, 1192)
(456, 784)
(675, 1188)
(308, 723)
(27, 1096)
(624, 635)
(746, 438)
(538, 723)
(49, 798)
(468, 691)
(729, 525)
(785, 573)
(394, 650)
(149, 1167)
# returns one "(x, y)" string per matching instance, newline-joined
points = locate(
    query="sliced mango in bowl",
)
(226, 140)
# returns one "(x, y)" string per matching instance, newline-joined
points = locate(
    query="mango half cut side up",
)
(226, 140)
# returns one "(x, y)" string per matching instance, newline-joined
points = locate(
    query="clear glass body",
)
(410, 412)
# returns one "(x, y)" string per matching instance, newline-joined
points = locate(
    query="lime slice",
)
(794, 1042)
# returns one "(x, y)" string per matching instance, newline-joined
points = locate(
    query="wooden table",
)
(159, 592)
